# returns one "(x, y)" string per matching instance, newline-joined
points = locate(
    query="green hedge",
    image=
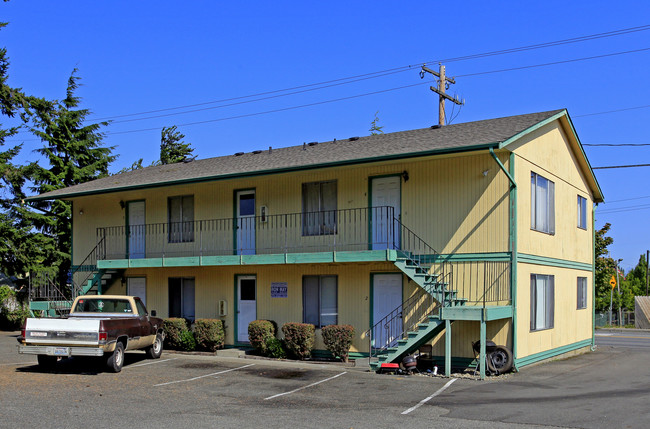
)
(338, 340)
(209, 334)
(178, 335)
(259, 333)
(299, 339)
(12, 312)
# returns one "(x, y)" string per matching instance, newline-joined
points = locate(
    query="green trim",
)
(498, 161)
(514, 251)
(554, 262)
(270, 259)
(235, 206)
(532, 128)
(547, 354)
(370, 179)
(421, 154)
(476, 313)
(466, 257)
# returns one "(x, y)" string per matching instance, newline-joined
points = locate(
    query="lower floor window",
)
(319, 300)
(582, 292)
(542, 301)
(181, 297)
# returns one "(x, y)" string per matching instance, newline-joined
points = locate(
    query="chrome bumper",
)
(60, 351)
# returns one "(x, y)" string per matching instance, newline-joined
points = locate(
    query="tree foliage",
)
(172, 147)
(375, 128)
(605, 267)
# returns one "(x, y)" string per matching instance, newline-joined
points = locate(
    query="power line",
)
(628, 199)
(380, 73)
(620, 166)
(617, 144)
(625, 209)
(612, 111)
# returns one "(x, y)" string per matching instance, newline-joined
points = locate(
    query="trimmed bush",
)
(12, 312)
(299, 339)
(178, 335)
(259, 332)
(209, 334)
(338, 340)
(275, 349)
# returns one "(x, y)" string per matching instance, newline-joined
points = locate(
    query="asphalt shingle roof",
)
(450, 138)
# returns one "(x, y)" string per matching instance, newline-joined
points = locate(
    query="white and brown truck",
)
(98, 325)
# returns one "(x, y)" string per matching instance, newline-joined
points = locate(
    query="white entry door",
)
(246, 305)
(137, 286)
(385, 230)
(246, 222)
(135, 227)
(387, 296)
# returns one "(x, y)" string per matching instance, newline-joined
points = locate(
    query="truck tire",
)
(46, 362)
(155, 350)
(116, 359)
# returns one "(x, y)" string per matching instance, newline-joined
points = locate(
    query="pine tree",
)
(172, 147)
(74, 154)
(605, 267)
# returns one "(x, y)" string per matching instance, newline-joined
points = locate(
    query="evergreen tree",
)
(605, 268)
(74, 154)
(172, 147)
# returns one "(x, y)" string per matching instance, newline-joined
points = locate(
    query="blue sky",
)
(143, 56)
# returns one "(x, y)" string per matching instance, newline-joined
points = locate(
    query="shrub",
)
(12, 312)
(178, 335)
(275, 349)
(209, 334)
(338, 340)
(299, 339)
(259, 332)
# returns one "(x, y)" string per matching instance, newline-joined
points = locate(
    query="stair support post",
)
(448, 348)
(482, 360)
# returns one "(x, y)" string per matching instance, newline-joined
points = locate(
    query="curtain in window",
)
(542, 204)
(181, 219)
(542, 301)
(310, 300)
(319, 208)
(328, 299)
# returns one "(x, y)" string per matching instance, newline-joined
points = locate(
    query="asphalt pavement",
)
(602, 389)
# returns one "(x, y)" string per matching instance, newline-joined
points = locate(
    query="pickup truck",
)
(98, 325)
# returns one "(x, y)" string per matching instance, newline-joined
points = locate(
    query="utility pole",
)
(647, 271)
(443, 85)
(618, 290)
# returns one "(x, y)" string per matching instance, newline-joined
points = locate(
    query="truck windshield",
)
(103, 306)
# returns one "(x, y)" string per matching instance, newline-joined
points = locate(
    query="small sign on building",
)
(279, 289)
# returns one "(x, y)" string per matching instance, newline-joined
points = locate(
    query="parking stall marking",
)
(427, 399)
(18, 363)
(203, 376)
(149, 363)
(305, 387)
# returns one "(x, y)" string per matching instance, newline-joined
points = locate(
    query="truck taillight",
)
(22, 332)
(103, 336)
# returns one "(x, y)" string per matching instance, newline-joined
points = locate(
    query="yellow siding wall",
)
(570, 324)
(549, 155)
(447, 201)
(465, 332)
(218, 283)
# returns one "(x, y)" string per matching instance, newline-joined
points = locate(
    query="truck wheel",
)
(116, 360)
(155, 350)
(46, 362)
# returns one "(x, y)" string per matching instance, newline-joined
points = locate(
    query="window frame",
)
(183, 297)
(582, 299)
(549, 301)
(185, 233)
(582, 212)
(535, 205)
(305, 305)
(323, 220)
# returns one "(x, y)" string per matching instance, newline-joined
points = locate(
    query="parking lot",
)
(606, 388)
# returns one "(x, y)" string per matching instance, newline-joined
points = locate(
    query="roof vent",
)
(304, 146)
(257, 151)
(353, 139)
(312, 143)
(239, 153)
(435, 127)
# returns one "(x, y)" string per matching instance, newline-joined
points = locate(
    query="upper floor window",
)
(319, 208)
(542, 301)
(542, 204)
(181, 219)
(582, 292)
(582, 212)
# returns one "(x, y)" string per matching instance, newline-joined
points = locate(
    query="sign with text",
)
(279, 289)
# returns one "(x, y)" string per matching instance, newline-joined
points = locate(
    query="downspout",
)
(512, 245)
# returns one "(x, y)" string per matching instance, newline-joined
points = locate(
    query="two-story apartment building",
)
(455, 233)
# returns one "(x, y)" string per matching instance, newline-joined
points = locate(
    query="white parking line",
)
(18, 363)
(149, 363)
(203, 376)
(304, 387)
(425, 400)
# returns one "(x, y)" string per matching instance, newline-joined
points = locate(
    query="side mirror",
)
(153, 313)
